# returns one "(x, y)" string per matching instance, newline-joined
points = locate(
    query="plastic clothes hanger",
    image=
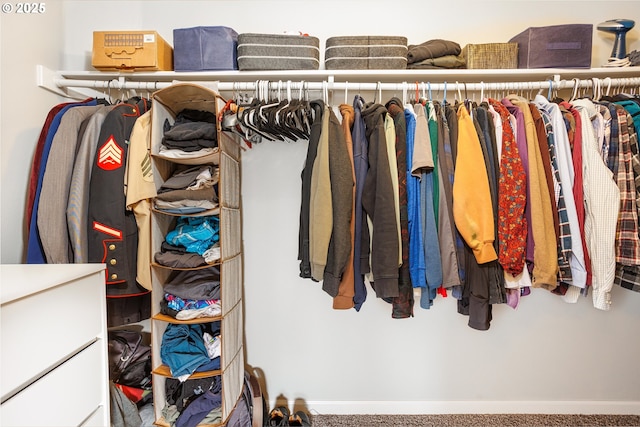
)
(574, 93)
(248, 116)
(595, 89)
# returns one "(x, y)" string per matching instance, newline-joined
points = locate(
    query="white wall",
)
(26, 40)
(547, 356)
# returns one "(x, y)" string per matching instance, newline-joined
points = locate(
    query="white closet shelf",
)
(360, 75)
(58, 81)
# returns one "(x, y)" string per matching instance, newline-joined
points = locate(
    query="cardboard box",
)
(561, 46)
(205, 48)
(131, 51)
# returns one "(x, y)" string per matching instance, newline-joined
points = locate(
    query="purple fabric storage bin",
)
(205, 48)
(555, 46)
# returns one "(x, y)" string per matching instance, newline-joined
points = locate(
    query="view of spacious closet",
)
(365, 241)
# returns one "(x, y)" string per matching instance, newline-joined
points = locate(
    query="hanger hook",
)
(346, 91)
(404, 93)
(378, 91)
(608, 81)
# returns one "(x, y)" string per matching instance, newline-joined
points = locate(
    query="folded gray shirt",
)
(203, 284)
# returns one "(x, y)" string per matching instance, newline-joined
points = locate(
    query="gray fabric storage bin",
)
(366, 53)
(561, 46)
(278, 52)
(204, 48)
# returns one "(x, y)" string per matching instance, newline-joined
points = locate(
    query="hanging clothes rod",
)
(123, 84)
(57, 82)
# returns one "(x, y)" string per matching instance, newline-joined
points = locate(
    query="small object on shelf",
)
(619, 27)
(205, 49)
(491, 55)
(131, 51)
(561, 46)
(278, 52)
(366, 53)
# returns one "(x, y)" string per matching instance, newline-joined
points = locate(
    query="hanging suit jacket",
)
(112, 230)
(342, 184)
(78, 204)
(35, 252)
(52, 218)
(37, 157)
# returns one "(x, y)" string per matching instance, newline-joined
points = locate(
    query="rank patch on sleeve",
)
(110, 155)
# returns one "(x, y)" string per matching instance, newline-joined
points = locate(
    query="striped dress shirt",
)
(602, 203)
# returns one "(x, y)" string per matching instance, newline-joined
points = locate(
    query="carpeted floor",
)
(448, 420)
(480, 420)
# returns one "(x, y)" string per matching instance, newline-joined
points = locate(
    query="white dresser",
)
(53, 344)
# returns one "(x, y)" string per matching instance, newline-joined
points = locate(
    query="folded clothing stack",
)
(192, 130)
(191, 294)
(189, 190)
(189, 348)
(194, 242)
(436, 53)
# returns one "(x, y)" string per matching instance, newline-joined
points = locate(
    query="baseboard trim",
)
(473, 407)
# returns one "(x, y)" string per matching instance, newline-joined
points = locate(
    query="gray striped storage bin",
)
(278, 52)
(365, 53)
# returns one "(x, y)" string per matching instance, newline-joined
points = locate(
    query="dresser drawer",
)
(44, 328)
(67, 396)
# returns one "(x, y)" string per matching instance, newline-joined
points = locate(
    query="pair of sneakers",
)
(280, 416)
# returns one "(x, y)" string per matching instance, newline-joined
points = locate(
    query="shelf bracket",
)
(46, 79)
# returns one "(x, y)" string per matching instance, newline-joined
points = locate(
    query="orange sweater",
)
(472, 211)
